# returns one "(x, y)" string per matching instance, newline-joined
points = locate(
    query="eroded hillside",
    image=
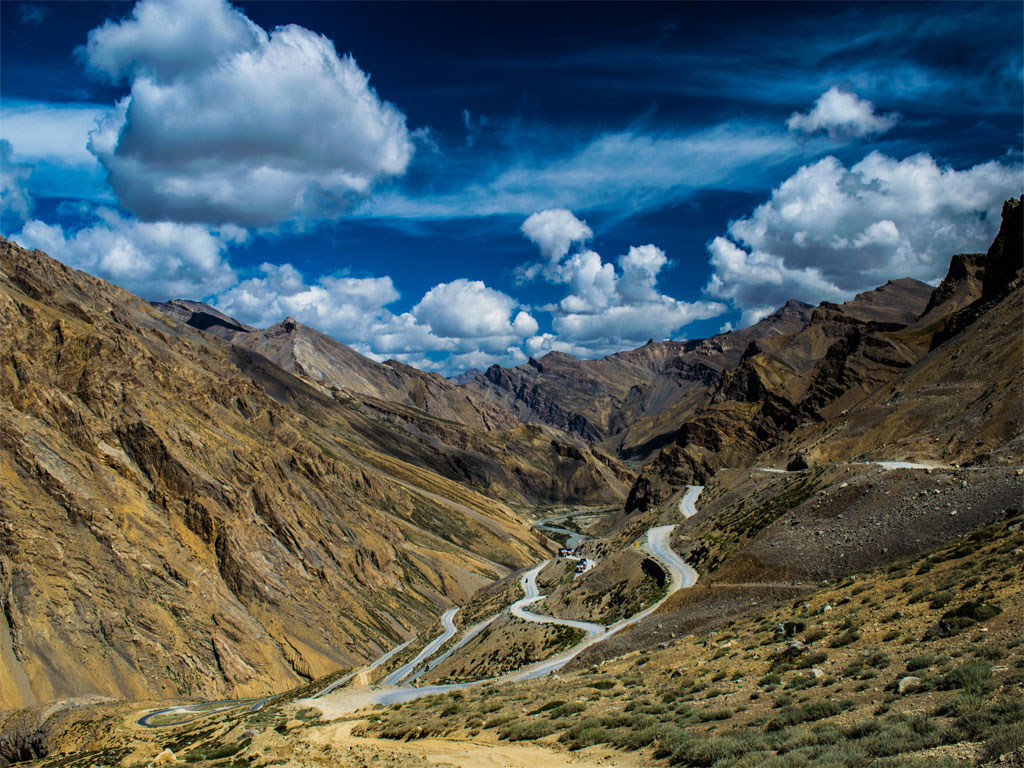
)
(182, 517)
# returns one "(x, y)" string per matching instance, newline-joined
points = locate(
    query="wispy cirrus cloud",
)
(624, 172)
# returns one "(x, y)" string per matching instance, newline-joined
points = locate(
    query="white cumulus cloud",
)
(468, 323)
(162, 40)
(468, 309)
(605, 309)
(156, 260)
(554, 231)
(334, 304)
(829, 231)
(227, 124)
(841, 113)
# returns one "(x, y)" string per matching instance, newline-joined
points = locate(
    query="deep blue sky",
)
(653, 123)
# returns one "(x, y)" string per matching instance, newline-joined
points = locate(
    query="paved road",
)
(224, 705)
(689, 500)
(532, 595)
(902, 465)
(883, 464)
(681, 575)
(428, 650)
(468, 635)
(657, 544)
(380, 660)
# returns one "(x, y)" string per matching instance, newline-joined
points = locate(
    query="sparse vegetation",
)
(728, 707)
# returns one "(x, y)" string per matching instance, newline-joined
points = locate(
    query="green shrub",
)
(974, 677)
(708, 715)
(585, 733)
(811, 660)
(1005, 739)
(814, 710)
(553, 704)
(990, 652)
(813, 635)
(569, 708)
(526, 730)
(877, 659)
(915, 663)
(850, 636)
(970, 613)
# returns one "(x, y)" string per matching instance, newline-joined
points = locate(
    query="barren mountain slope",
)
(964, 401)
(598, 400)
(181, 516)
(307, 352)
(428, 421)
(843, 353)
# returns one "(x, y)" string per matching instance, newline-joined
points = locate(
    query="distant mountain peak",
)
(465, 377)
(200, 315)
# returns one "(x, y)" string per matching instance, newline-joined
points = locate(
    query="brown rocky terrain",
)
(849, 673)
(840, 380)
(621, 398)
(181, 516)
(315, 356)
(880, 573)
(468, 438)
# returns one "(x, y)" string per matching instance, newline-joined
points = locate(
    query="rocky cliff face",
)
(431, 422)
(628, 401)
(180, 516)
(796, 395)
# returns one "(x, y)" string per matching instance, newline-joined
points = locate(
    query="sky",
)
(456, 185)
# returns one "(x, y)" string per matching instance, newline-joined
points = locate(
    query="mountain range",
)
(194, 507)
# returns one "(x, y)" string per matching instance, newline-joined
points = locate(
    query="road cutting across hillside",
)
(447, 620)
(335, 700)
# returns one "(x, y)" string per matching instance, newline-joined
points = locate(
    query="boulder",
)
(908, 684)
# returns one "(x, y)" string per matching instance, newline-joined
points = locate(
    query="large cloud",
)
(830, 231)
(225, 123)
(841, 113)
(465, 320)
(468, 309)
(604, 309)
(156, 260)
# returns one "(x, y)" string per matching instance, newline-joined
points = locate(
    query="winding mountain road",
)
(657, 544)
(468, 635)
(532, 595)
(447, 619)
(687, 504)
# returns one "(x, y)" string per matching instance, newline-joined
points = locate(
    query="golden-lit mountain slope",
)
(181, 516)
